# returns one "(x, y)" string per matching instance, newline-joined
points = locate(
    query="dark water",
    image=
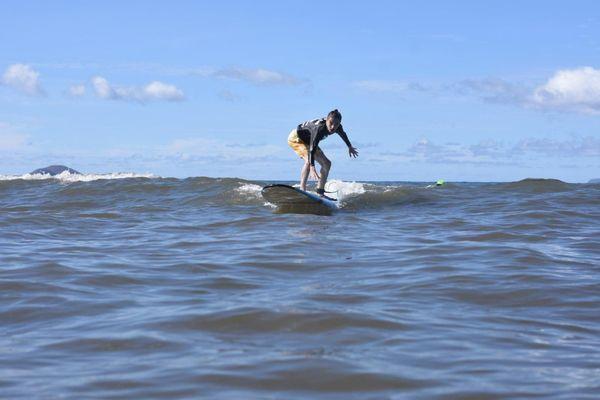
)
(163, 288)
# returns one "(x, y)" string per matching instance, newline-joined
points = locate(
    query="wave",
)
(111, 188)
(132, 188)
(68, 177)
(357, 195)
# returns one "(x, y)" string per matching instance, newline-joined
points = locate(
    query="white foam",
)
(249, 188)
(68, 177)
(344, 190)
(253, 191)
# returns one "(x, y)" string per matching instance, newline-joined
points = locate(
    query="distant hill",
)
(53, 170)
(597, 180)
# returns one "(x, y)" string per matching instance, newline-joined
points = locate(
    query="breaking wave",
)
(196, 191)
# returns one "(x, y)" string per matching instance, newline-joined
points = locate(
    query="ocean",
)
(126, 286)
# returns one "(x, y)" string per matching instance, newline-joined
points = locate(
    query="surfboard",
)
(291, 199)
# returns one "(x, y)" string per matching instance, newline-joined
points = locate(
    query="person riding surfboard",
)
(305, 139)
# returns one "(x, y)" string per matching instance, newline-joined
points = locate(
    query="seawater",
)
(141, 287)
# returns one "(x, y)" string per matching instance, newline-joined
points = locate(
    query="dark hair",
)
(335, 114)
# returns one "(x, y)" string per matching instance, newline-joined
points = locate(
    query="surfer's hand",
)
(313, 172)
(353, 152)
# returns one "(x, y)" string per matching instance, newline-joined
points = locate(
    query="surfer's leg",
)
(301, 149)
(325, 167)
(304, 174)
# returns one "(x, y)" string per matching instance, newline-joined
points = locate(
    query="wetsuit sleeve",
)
(340, 131)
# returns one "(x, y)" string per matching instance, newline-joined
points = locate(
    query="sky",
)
(461, 91)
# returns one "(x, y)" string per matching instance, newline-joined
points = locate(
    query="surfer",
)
(304, 140)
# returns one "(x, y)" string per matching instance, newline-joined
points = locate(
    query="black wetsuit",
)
(312, 132)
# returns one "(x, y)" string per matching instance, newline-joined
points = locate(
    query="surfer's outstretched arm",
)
(352, 151)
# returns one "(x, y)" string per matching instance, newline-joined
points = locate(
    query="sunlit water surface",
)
(153, 288)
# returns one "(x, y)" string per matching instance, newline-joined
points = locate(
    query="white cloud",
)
(153, 91)
(256, 76)
(571, 90)
(383, 86)
(77, 90)
(161, 91)
(23, 78)
(102, 87)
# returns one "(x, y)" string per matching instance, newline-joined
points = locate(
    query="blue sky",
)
(465, 91)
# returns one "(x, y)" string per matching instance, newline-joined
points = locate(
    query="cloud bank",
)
(569, 90)
(496, 152)
(153, 91)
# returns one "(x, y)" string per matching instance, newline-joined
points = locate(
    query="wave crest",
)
(68, 177)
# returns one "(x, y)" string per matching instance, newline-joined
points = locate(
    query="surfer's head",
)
(334, 118)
